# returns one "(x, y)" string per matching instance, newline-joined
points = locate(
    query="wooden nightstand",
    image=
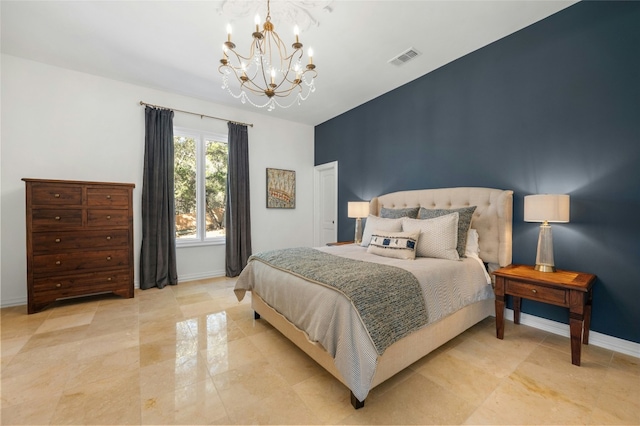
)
(340, 243)
(573, 290)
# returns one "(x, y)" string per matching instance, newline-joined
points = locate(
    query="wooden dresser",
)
(79, 240)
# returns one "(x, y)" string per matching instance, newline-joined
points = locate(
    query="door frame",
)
(317, 199)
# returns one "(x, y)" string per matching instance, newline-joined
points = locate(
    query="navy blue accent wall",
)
(553, 108)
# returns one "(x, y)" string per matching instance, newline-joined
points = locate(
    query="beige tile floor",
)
(191, 354)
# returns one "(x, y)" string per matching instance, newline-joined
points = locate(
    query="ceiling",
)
(176, 45)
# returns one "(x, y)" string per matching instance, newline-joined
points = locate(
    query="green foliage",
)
(184, 174)
(185, 164)
(216, 184)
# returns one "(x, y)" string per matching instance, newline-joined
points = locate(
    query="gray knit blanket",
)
(388, 299)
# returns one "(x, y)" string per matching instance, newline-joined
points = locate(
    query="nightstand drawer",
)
(536, 292)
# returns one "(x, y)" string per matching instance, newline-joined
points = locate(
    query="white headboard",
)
(492, 218)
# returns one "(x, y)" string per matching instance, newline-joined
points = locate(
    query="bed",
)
(331, 328)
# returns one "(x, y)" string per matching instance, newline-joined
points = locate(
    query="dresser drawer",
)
(55, 287)
(42, 219)
(80, 260)
(44, 242)
(536, 292)
(107, 197)
(56, 194)
(105, 218)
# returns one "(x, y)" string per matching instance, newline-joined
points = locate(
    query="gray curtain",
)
(238, 220)
(158, 252)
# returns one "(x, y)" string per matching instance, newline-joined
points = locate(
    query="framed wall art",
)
(281, 189)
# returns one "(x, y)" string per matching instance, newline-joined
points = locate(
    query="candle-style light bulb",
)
(257, 21)
(296, 31)
(273, 76)
(310, 53)
(228, 32)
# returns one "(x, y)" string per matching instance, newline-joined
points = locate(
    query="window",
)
(200, 178)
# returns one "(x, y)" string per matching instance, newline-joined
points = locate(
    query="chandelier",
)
(269, 73)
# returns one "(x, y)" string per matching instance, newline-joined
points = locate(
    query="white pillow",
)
(438, 236)
(473, 248)
(375, 223)
(399, 245)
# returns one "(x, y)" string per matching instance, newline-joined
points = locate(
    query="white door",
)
(325, 229)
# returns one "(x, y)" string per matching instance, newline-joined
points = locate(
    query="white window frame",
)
(200, 137)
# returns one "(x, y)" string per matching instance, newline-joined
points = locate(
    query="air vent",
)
(404, 57)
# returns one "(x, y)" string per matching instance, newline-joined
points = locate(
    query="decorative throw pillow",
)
(374, 223)
(411, 212)
(438, 236)
(399, 245)
(473, 247)
(464, 223)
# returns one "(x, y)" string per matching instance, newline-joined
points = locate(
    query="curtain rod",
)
(194, 113)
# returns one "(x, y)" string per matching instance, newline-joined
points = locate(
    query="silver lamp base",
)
(544, 255)
(358, 236)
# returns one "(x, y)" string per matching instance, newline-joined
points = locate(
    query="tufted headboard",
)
(492, 218)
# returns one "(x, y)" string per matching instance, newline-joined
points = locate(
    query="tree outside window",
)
(200, 170)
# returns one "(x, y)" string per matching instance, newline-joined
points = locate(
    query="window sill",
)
(187, 244)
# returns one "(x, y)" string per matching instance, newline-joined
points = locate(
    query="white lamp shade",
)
(358, 209)
(546, 207)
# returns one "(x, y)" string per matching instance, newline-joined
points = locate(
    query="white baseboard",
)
(16, 301)
(597, 339)
(201, 276)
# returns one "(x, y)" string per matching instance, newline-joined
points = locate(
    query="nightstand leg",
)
(499, 294)
(587, 320)
(499, 317)
(575, 326)
(517, 303)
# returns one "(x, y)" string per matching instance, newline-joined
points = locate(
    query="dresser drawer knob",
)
(58, 262)
(108, 197)
(108, 217)
(108, 237)
(56, 195)
(109, 279)
(57, 240)
(58, 285)
(534, 290)
(108, 257)
(57, 218)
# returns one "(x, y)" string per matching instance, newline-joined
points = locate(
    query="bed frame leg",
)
(357, 404)
(256, 315)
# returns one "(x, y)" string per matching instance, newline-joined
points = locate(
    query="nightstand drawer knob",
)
(534, 290)
(58, 285)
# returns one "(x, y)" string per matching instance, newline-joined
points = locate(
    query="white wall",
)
(62, 124)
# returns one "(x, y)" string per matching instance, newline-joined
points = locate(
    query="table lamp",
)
(546, 208)
(358, 210)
